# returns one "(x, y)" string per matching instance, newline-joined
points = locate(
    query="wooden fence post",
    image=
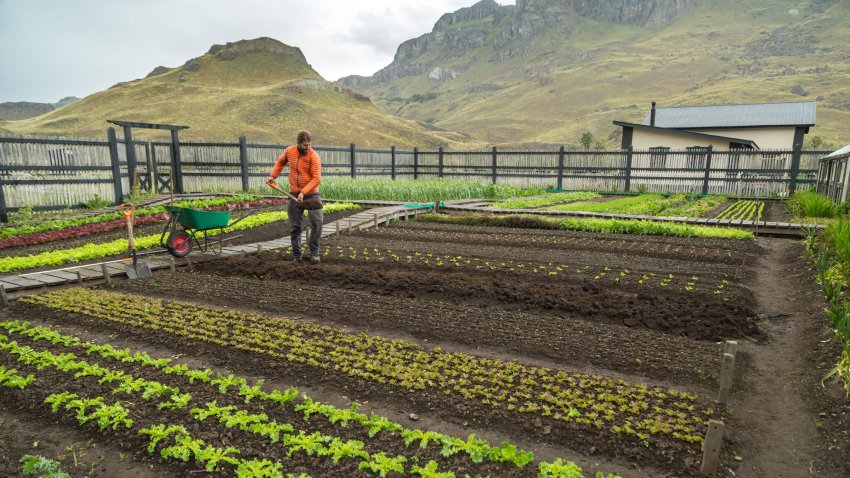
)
(4, 214)
(440, 162)
(415, 163)
(707, 169)
(116, 167)
(796, 154)
(495, 170)
(560, 184)
(629, 152)
(176, 165)
(392, 162)
(243, 161)
(353, 161)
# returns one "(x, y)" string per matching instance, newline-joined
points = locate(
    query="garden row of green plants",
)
(545, 270)
(97, 251)
(111, 225)
(488, 236)
(614, 226)
(601, 405)
(43, 223)
(830, 252)
(421, 190)
(547, 200)
(682, 205)
(237, 414)
(743, 209)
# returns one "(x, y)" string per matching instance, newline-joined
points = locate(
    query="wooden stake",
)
(731, 347)
(79, 278)
(4, 299)
(727, 370)
(375, 217)
(349, 225)
(173, 266)
(189, 262)
(106, 276)
(259, 248)
(711, 448)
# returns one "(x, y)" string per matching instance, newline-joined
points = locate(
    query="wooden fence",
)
(57, 174)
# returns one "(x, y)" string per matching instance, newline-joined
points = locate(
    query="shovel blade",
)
(140, 271)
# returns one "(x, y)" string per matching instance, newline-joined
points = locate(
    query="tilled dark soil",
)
(660, 335)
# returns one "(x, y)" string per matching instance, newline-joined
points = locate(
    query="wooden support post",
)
(731, 347)
(349, 225)
(259, 248)
(727, 370)
(79, 278)
(711, 448)
(189, 263)
(336, 227)
(375, 218)
(171, 263)
(4, 299)
(106, 276)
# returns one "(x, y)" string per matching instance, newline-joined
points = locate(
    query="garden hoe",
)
(139, 269)
(308, 204)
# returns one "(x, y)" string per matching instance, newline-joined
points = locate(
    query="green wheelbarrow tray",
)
(186, 224)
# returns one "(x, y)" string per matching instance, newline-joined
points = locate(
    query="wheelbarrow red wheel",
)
(179, 243)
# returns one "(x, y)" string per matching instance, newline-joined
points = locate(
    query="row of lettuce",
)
(166, 404)
(544, 270)
(610, 409)
(112, 248)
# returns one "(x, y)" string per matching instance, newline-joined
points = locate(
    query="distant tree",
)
(586, 139)
(816, 142)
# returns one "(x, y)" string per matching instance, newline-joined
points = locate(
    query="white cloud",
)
(50, 49)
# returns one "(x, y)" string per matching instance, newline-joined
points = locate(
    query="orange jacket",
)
(305, 172)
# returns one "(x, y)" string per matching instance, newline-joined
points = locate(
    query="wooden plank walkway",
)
(35, 282)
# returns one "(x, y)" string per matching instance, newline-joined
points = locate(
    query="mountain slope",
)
(259, 88)
(546, 70)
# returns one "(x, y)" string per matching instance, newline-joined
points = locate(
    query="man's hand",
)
(271, 181)
(300, 197)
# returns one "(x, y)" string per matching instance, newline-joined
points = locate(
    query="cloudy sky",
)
(50, 49)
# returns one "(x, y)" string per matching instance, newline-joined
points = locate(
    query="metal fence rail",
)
(57, 173)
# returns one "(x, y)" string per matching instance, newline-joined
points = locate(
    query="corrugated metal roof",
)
(841, 152)
(730, 116)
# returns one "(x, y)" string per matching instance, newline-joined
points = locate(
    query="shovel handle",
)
(273, 184)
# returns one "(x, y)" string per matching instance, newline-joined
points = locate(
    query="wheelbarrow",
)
(186, 225)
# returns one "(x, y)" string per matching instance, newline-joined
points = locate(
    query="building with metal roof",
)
(743, 126)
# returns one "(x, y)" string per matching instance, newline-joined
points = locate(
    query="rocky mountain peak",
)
(231, 50)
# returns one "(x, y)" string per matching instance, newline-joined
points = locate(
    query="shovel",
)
(308, 204)
(139, 269)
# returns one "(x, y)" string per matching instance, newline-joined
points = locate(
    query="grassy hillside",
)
(583, 74)
(261, 89)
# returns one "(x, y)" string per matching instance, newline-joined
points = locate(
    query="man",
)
(305, 174)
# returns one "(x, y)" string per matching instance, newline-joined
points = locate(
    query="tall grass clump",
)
(416, 190)
(811, 204)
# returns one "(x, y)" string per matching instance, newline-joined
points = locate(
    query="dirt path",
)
(775, 424)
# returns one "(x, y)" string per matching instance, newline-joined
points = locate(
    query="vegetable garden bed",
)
(600, 349)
